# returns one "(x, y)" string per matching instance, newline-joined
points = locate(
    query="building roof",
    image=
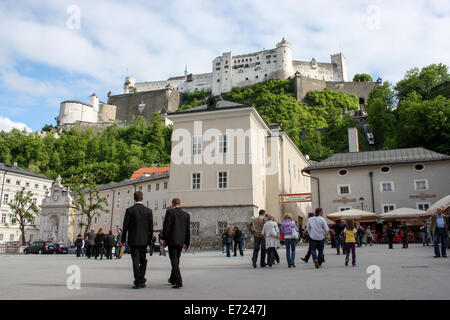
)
(129, 182)
(14, 169)
(148, 171)
(355, 159)
(213, 105)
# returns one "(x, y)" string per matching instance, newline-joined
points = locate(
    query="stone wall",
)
(209, 236)
(132, 105)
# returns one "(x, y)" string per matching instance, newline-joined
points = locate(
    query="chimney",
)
(353, 145)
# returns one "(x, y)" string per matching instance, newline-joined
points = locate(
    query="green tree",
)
(422, 81)
(23, 210)
(87, 199)
(362, 77)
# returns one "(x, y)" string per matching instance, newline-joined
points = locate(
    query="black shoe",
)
(177, 286)
(346, 262)
(444, 256)
(142, 285)
(136, 286)
(437, 256)
(316, 264)
(289, 266)
(306, 261)
(254, 264)
(293, 265)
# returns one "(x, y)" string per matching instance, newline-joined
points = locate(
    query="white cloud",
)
(7, 124)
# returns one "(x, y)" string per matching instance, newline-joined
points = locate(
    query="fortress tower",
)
(284, 53)
(340, 69)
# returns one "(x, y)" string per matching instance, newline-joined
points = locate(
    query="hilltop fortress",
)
(228, 71)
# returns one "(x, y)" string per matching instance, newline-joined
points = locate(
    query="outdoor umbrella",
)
(352, 214)
(443, 204)
(404, 213)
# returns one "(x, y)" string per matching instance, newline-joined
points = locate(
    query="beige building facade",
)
(227, 164)
(380, 181)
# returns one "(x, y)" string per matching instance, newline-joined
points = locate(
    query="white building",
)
(12, 180)
(230, 71)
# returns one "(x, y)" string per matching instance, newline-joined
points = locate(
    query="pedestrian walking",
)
(271, 234)
(318, 230)
(176, 234)
(404, 234)
(243, 240)
(100, 244)
(308, 253)
(237, 237)
(424, 229)
(255, 227)
(338, 229)
(350, 241)
(118, 243)
(369, 236)
(440, 233)
(359, 235)
(228, 238)
(290, 231)
(138, 225)
(90, 243)
(109, 244)
(390, 235)
(79, 244)
(162, 250)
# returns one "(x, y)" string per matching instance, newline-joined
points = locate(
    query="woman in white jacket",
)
(271, 233)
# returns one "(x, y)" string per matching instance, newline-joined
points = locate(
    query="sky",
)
(56, 50)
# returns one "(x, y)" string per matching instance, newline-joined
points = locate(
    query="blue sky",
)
(43, 62)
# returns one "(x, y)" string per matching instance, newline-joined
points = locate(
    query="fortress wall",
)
(361, 89)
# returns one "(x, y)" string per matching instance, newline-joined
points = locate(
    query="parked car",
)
(40, 247)
(72, 249)
(61, 249)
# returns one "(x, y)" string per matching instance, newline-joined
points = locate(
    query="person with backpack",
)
(271, 234)
(109, 244)
(79, 242)
(291, 236)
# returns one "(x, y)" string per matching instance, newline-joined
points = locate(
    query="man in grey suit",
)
(90, 243)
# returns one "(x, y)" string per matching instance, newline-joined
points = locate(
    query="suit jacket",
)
(434, 224)
(138, 224)
(91, 238)
(177, 227)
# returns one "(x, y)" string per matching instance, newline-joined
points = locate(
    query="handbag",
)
(295, 234)
(273, 232)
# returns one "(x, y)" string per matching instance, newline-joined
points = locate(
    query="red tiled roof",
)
(153, 170)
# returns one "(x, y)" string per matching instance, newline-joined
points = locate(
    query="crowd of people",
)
(98, 244)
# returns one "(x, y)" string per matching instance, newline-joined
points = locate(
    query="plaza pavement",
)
(405, 274)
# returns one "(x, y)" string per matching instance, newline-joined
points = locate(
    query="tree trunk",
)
(88, 226)
(22, 228)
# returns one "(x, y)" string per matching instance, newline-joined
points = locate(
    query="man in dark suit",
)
(176, 234)
(138, 224)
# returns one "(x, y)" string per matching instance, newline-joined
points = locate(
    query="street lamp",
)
(361, 200)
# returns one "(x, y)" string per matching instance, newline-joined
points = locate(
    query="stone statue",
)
(54, 231)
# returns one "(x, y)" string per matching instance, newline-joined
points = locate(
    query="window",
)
(195, 228)
(18, 183)
(1, 236)
(140, 188)
(164, 204)
(105, 219)
(128, 203)
(343, 189)
(35, 201)
(343, 172)
(295, 172)
(424, 206)
(222, 179)
(11, 237)
(157, 187)
(386, 186)
(223, 144)
(165, 185)
(148, 204)
(149, 188)
(27, 184)
(117, 220)
(95, 220)
(221, 227)
(419, 167)
(3, 217)
(196, 146)
(421, 184)
(196, 181)
(118, 204)
(289, 167)
(156, 204)
(8, 180)
(385, 169)
(298, 174)
(5, 198)
(388, 207)
(344, 208)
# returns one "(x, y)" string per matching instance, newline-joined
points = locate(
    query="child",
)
(350, 240)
